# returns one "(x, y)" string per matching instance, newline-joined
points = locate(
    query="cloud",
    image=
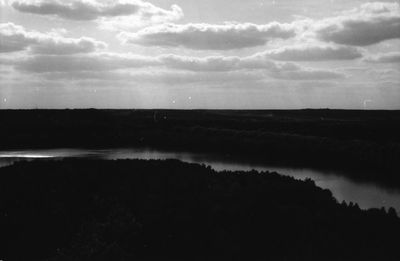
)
(14, 38)
(278, 70)
(288, 70)
(162, 77)
(83, 63)
(314, 53)
(76, 10)
(209, 36)
(65, 46)
(206, 64)
(307, 74)
(119, 13)
(392, 57)
(370, 24)
(149, 15)
(112, 62)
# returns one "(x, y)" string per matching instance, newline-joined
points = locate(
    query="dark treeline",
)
(168, 210)
(318, 138)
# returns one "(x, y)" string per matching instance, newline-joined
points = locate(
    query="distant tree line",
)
(366, 140)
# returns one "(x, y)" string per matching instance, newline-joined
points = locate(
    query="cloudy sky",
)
(188, 54)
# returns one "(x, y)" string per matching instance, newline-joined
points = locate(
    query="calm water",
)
(365, 194)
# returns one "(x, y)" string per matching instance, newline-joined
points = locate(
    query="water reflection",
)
(366, 195)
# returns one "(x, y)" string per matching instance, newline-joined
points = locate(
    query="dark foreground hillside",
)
(333, 139)
(169, 210)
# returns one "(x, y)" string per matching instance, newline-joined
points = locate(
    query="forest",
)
(335, 139)
(77, 209)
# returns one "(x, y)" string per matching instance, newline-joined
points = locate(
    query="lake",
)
(367, 195)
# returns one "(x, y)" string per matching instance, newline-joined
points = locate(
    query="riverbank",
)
(343, 187)
(331, 139)
(152, 210)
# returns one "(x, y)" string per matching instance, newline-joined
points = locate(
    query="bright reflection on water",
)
(367, 195)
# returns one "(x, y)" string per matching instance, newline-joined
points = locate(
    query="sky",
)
(191, 54)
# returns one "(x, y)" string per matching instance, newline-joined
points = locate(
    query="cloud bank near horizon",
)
(154, 44)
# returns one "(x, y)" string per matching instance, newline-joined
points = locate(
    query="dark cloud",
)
(315, 53)
(370, 24)
(209, 36)
(118, 13)
(210, 64)
(82, 63)
(15, 38)
(111, 62)
(308, 74)
(76, 10)
(392, 57)
(65, 46)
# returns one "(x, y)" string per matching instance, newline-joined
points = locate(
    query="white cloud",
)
(148, 15)
(370, 24)
(15, 38)
(111, 14)
(209, 36)
(392, 57)
(314, 53)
